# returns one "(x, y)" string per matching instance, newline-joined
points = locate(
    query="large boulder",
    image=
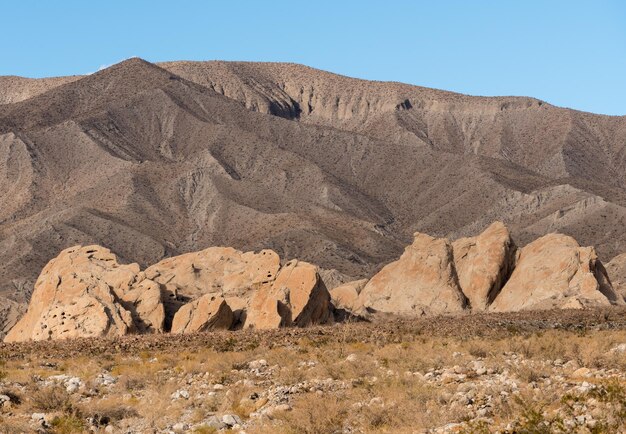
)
(423, 281)
(616, 269)
(79, 294)
(297, 297)
(220, 271)
(555, 272)
(208, 312)
(483, 263)
(268, 309)
(346, 296)
(143, 301)
(345, 300)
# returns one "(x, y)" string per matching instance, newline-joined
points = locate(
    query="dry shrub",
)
(106, 411)
(11, 427)
(316, 416)
(477, 351)
(67, 424)
(51, 399)
(204, 429)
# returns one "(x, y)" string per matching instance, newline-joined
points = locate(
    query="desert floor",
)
(554, 371)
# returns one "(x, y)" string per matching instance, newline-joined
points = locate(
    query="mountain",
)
(16, 89)
(155, 160)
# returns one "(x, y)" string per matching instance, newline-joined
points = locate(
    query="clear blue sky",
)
(569, 53)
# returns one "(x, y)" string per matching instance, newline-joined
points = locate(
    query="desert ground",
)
(553, 371)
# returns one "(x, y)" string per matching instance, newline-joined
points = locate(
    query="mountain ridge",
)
(47, 83)
(158, 160)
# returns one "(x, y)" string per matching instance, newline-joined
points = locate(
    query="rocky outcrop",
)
(483, 264)
(297, 297)
(488, 271)
(208, 312)
(85, 292)
(616, 269)
(555, 272)
(423, 281)
(219, 271)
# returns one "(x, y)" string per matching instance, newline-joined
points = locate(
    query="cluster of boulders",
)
(485, 272)
(85, 292)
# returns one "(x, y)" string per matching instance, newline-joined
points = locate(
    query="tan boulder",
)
(297, 297)
(143, 300)
(616, 269)
(555, 272)
(346, 296)
(208, 312)
(268, 309)
(220, 271)
(483, 263)
(77, 295)
(422, 281)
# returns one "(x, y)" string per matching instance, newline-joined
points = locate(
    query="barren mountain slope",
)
(16, 89)
(552, 141)
(153, 162)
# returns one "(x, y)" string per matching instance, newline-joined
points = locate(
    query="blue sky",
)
(569, 53)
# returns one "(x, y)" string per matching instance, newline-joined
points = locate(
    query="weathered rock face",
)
(483, 263)
(423, 281)
(83, 293)
(555, 272)
(143, 301)
(220, 271)
(208, 312)
(268, 308)
(297, 297)
(616, 269)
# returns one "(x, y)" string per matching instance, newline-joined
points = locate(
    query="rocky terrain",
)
(153, 161)
(550, 371)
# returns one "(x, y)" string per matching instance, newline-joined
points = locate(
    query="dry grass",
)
(379, 388)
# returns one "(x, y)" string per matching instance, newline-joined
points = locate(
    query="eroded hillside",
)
(156, 160)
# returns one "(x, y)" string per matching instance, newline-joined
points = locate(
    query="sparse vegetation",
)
(355, 378)
(49, 399)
